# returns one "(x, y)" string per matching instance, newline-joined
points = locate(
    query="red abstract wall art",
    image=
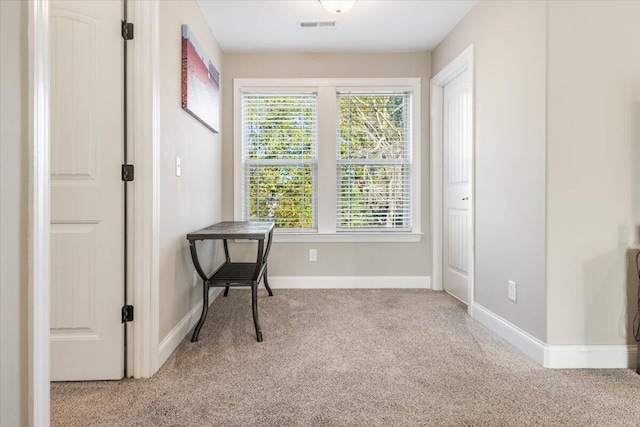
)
(200, 83)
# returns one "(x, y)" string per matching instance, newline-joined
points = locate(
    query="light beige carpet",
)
(351, 358)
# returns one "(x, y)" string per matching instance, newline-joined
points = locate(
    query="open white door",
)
(457, 133)
(86, 190)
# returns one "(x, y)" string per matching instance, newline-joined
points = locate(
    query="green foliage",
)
(373, 126)
(282, 194)
(280, 127)
(372, 196)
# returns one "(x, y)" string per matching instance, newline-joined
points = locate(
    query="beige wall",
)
(509, 40)
(334, 259)
(193, 200)
(593, 183)
(13, 213)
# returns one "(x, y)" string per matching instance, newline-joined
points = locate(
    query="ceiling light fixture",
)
(337, 6)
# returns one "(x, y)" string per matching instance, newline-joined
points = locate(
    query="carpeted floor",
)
(351, 358)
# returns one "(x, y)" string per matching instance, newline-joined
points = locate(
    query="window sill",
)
(345, 237)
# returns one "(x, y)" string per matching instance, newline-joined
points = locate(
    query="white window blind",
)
(279, 159)
(373, 157)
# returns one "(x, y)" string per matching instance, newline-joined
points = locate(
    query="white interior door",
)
(86, 190)
(456, 192)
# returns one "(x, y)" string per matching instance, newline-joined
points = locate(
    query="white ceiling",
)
(371, 26)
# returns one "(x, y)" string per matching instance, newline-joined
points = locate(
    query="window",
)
(373, 158)
(279, 159)
(329, 159)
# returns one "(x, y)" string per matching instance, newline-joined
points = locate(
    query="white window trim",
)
(326, 207)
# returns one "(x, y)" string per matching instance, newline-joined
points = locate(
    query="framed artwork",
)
(200, 83)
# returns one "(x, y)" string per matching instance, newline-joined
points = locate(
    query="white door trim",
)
(462, 63)
(146, 188)
(39, 214)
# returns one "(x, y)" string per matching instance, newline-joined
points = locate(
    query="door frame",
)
(38, 227)
(144, 342)
(463, 62)
(145, 108)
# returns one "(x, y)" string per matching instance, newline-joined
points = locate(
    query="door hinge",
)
(127, 173)
(127, 30)
(127, 313)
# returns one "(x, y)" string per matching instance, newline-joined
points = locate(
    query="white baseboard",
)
(177, 334)
(349, 282)
(523, 341)
(591, 356)
(557, 356)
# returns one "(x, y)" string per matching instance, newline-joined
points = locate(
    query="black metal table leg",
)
(205, 290)
(205, 309)
(264, 262)
(254, 307)
(266, 282)
(227, 258)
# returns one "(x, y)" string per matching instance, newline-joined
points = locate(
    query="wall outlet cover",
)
(512, 291)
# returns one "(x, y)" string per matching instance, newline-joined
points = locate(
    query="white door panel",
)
(86, 190)
(457, 134)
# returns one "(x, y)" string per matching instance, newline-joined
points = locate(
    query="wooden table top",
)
(233, 230)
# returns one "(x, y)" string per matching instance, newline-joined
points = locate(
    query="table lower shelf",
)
(235, 274)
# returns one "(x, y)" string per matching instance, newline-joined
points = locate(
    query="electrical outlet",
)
(512, 290)
(195, 278)
(313, 255)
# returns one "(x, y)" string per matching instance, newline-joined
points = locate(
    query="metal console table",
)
(234, 273)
